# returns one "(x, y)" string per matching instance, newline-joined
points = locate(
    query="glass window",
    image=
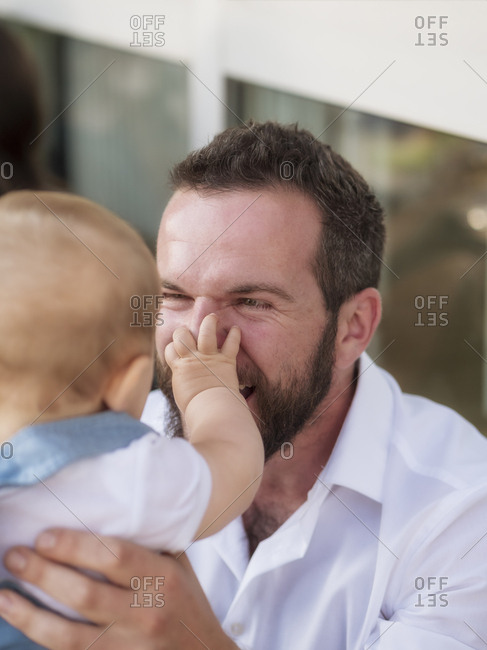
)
(125, 131)
(119, 123)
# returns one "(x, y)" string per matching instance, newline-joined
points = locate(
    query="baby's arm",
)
(218, 421)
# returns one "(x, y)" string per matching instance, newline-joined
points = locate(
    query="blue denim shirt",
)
(37, 452)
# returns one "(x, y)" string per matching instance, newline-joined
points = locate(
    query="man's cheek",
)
(163, 338)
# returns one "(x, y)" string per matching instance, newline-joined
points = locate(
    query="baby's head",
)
(73, 338)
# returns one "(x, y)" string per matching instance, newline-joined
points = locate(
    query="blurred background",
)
(126, 90)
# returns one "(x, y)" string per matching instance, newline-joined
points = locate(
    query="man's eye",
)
(174, 301)
(254, 303)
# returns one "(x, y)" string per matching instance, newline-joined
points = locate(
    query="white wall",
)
(328, 50)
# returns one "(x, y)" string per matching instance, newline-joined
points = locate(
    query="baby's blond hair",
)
(73, 277)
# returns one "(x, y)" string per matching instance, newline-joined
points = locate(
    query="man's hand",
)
(127, 612)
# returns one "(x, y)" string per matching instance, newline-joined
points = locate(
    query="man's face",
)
(247, 256)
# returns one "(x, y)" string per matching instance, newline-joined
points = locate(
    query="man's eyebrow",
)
(263, 288)
(169, 285)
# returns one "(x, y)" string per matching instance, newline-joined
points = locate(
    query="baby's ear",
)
(128, 388)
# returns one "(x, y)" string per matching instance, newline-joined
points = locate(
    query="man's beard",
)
(282, 409)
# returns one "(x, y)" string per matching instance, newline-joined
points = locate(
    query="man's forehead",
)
(276, 216)
(239, 242)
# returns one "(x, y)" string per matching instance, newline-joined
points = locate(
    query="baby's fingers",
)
(184, 342)
(170, 354)
(207, 343)
(231, 344)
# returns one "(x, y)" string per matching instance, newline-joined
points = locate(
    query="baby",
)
(78, 291)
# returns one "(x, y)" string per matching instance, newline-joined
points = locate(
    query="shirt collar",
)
(39, 451)
(359, 458)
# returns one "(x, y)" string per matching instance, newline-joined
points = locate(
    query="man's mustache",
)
(247, 376)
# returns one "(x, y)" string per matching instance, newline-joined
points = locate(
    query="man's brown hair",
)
(256, 155)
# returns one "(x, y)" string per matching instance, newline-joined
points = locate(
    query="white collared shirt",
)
(388, 552)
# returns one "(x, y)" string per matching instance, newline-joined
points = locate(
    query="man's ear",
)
(128, 388)
(357, 321)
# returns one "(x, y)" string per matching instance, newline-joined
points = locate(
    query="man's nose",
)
(204, 306)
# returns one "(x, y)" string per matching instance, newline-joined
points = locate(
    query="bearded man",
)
(369, 525)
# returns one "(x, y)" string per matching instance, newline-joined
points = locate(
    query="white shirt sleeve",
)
(172, 487)
(437, 597)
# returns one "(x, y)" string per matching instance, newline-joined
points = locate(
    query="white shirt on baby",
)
(153, 492)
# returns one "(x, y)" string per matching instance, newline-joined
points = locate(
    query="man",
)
(369, 525)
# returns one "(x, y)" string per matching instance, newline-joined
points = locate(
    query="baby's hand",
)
(196, 368)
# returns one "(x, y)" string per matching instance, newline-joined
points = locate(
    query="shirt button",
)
(236, 629)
